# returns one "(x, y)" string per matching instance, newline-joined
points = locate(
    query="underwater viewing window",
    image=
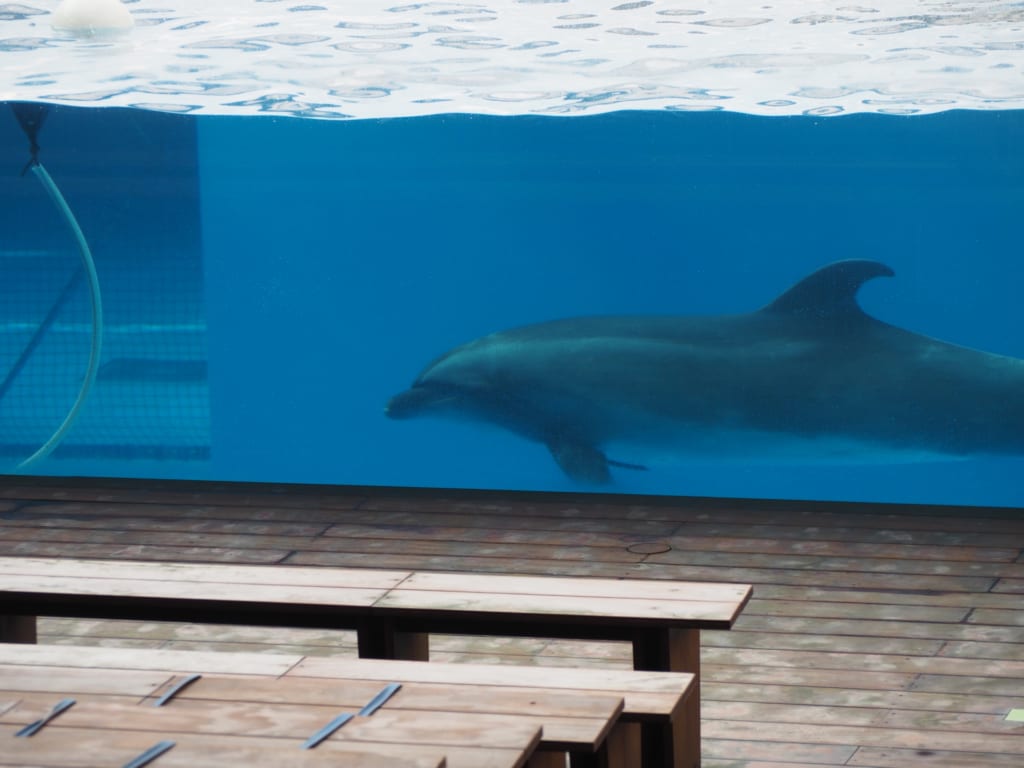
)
(109, 312)
(648, 248)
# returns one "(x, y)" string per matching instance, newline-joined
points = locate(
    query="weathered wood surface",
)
(463, 737)
(394, 612)
(437, 704)
(877, 636)
(69, 747)
(538, 605)
(576, 708)
(648, 696)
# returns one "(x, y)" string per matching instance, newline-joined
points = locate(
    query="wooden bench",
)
(656, 699)
(579, 710)
(393, 611)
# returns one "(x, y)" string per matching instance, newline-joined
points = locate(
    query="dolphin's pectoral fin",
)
(831, 291)
(582, 462)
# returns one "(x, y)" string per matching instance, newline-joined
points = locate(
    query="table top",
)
(471, 725)
(87, 747)
(365, 592)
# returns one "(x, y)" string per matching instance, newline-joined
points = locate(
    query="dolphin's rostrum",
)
(810, 377)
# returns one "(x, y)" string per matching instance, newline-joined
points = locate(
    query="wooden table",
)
(221, 721)
(393, 611)
(473, 724)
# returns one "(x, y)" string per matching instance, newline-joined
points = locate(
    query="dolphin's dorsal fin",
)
(831, 291)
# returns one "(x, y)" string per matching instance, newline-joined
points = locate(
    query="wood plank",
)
(755, 624)
(703, 604)
(674, 683)
(980, 546)
(871, 611)
(353, 532)
(657, 696)
(166, 634)
(493, 549)
(1010, 586)
(683, 592)
(606, 611)
(151, 538)
(874, 662)
(158, 659)
(860, 716)
(114, 493)
(202, 574)
(143, 552)
(972, 650)
(468, 520)
(771, 712)
(637, 528)
(72, 680)
(146, 518)
(814, 733)
(804, 514)
(776, 750)
(876, 699)
(86, 748)
(812, 641)
(429, 697)
(938, 566)
(258, 719)
(882, 757)
(841, 549)
(997, 617)
(863, 678)
(969, 685)
(890, 596)
(224, 510)
(952, 722)
(496, 565)
(45, 592)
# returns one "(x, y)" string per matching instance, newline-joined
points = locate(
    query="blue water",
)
(339, 258)
(131, 180)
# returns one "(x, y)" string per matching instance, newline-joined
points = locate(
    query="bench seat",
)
(393, 612)
(580, 711)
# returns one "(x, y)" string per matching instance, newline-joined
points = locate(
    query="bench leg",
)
(17, 629)
(674, 650)
(379, 640)
(544, 759)
(620, 750)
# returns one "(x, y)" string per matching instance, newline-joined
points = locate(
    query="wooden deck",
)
(878, 637)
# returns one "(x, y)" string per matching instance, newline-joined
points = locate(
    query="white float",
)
(92, 17)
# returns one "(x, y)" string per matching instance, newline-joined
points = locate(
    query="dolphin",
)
(810, 377)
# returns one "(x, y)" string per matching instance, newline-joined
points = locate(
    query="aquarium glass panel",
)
(647, 248)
